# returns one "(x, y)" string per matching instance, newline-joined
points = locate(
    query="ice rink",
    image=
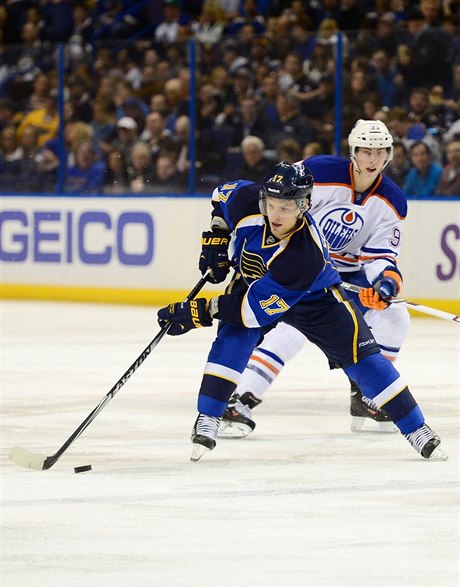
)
(302, 502)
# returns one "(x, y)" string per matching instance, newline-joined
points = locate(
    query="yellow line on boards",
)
(97, 295)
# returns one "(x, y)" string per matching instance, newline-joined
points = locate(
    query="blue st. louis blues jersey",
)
(363, 230)
(278, 273)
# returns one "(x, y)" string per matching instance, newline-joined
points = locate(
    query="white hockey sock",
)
(260, 373)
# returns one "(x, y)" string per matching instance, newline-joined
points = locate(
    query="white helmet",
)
(372, 134)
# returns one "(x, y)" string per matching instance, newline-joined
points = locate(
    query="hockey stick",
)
(412, 305)
(31, 460)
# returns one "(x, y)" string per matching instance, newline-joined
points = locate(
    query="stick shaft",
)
(413, 305)
(28, 459)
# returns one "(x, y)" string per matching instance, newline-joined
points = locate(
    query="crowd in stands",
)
(265, 90)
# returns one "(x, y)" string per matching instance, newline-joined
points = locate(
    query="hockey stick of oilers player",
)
(412, 305)
(31, 460)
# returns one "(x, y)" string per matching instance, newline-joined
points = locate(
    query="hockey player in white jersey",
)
(361, 213)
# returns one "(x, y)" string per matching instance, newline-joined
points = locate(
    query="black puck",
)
(82, 469)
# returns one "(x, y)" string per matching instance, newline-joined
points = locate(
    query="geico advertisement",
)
(116, 242)
(154, 243)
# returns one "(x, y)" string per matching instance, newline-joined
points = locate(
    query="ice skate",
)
(204, 435)
(426, 442)
(366, 416)
(237, 419)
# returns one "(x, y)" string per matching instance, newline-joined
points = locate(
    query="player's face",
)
(370, 162)
(282, 216)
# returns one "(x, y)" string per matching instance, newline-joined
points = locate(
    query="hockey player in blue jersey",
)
(361, 213)
(282, 270)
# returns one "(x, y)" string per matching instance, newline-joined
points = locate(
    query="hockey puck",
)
(82, 469)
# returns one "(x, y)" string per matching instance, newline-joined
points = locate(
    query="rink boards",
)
(145, 249)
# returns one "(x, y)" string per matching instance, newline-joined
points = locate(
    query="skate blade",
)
(438, 455)
(359, 424)
(233, 430)
(198, 450)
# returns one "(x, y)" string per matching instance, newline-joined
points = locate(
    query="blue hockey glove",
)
(214, 255)
(376, 297)
(185, 316)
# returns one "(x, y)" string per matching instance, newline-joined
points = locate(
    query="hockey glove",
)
(214, 255)
(376, 297)
(185, 316)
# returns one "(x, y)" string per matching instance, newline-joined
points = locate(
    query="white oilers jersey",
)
(363, 230)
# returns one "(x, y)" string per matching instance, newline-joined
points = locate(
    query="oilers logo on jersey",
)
(340, 226)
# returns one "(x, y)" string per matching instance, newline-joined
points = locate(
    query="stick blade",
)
(27, 458)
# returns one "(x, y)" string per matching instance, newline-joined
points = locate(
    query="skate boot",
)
(237, 419)
(366, 416)
(426, 442)
(204, 435)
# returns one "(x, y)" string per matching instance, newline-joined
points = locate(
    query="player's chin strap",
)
(411, 305)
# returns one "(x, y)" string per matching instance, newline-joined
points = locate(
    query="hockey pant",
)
(280, 345)
(374, 374)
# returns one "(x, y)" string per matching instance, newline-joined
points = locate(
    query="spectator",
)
(399, 166)
(103, 124)
(117, 21)
(389, 80)
(106, 88)
(156, 135)
(288, 150)
(79, 97)
(210, 24)
(291, 123)
(158, 104)
(115, 173)
(220, 79)
(83, 29)
(141, 173)
(75, 133)
(292, 78)
(168, 29)
(45, 120)
(249, 121)
(127, 136)
(424, 175)
(174, 102)
(209, 158)
(28, 56)
(312, 149)
(420, 107)
(388, 35)
(432, 48)
(7, 113)
(403, 129)
(10, 160)
(449, 184)
(29, 143)
(267, 94)
(30, 178)
(87, 175)
(126, 68)
(256, 164)
(58, 20)
(167, 179)
(40, 93)
(136, 109)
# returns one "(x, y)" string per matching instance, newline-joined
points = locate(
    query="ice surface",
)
(301, 502)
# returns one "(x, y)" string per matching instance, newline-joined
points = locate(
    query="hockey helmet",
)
(287, 182)
(372, 134)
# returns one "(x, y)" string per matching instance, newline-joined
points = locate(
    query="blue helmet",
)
(288, 182)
